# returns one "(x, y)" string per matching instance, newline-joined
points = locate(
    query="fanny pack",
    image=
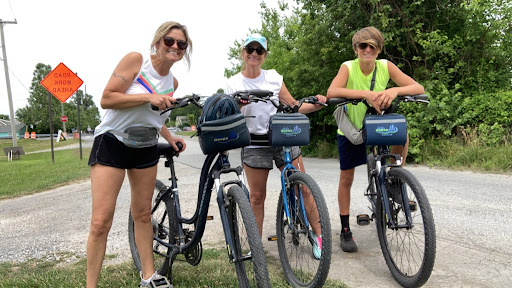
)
(354, 135)
(138, 137)
(346, 126)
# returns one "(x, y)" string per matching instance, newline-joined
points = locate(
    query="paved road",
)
(471, 210)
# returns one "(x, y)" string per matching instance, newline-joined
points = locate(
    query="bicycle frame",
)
(207, 181)
(287, 171)
(381, 153)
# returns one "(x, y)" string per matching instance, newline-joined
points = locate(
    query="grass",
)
(212, 271)
(447, 153)
(35, 172)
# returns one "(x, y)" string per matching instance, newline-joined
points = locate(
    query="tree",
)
(455, 48)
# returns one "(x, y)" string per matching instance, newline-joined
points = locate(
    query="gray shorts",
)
(262, 157)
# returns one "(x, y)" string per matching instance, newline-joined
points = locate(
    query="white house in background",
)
(180, 120)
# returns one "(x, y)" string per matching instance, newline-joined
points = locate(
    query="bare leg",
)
(345, 183)
(257, 181)
(142, 183)
(402, 150)
(105, 185)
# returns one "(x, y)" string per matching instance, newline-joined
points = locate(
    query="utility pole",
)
(6, 68)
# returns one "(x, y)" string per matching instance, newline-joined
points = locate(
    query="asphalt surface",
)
(471, 211)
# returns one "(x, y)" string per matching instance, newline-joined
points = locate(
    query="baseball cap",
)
(255, 37)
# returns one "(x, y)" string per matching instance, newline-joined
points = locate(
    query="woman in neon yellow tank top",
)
(353, 81)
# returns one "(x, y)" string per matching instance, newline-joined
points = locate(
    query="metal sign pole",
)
(50, 117)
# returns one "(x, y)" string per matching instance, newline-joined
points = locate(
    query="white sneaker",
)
(155, 281)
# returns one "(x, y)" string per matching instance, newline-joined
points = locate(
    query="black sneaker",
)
(347, 242)
(394, 190)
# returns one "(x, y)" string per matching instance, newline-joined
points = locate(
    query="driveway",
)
(471, 210)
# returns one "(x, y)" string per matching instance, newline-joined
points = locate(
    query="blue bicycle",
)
(302, 220)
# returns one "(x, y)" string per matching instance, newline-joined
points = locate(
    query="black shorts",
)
(350, 155)
(109, 151)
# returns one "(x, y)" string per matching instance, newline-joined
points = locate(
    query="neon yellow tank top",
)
(358, 81)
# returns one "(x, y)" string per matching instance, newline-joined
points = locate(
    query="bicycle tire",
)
(294, 244)
(246, 238)
(409, 253)
(162, 218)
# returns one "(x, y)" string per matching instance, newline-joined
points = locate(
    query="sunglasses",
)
(363, 46)
(169, 41)
(258, 50)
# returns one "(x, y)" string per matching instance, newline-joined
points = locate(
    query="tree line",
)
(459, 50)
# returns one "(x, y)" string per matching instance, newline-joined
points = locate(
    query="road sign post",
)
(61, 83)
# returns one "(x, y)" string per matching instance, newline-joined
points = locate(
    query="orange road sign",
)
(62, 82)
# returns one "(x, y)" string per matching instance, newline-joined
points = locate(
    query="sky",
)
(90, 37)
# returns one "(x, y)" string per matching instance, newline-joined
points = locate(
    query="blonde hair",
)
(164, 29)
(370, 35)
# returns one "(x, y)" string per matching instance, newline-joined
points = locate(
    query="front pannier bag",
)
(289, 129)
(221, 126)
(387, 129)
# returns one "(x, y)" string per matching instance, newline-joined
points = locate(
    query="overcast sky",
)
(90, 37)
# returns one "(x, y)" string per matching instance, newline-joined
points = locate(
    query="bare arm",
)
(287, 98)
(114, 95)
(164, 132)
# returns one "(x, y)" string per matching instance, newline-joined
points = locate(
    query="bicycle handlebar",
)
(423, 98)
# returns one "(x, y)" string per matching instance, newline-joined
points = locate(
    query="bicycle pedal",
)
(272, 238)
(160, 282)
(363, 219)
(413, 206)
(209, 217)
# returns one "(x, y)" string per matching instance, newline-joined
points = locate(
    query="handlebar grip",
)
(260, 93)
(421, 97)
(335, 101)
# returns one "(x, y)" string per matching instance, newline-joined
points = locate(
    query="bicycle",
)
(301, 200)
(399, 204)
(174, 234)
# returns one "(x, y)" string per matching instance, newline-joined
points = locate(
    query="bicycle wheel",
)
(161, 229)
(250, 265)
(409, 253)
(294, 239)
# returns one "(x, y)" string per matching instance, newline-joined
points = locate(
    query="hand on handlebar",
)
(161, 101)
(382, 100)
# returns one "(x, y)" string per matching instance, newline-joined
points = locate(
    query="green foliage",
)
(36, 112)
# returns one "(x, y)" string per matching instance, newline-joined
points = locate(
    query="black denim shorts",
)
(109, 151)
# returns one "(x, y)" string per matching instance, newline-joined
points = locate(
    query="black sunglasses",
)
(169, 41)
(251, 49)
(363, 46)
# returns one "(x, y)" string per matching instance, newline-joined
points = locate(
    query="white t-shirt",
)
(257, 114)
(147, 81)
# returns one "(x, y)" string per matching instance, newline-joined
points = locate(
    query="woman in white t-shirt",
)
(259, 156)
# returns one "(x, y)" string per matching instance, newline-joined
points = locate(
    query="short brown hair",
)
(370, 35)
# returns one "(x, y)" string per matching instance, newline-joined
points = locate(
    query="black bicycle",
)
(399, 204)
(174, 234)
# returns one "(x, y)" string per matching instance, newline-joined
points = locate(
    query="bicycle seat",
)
(165, 149)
